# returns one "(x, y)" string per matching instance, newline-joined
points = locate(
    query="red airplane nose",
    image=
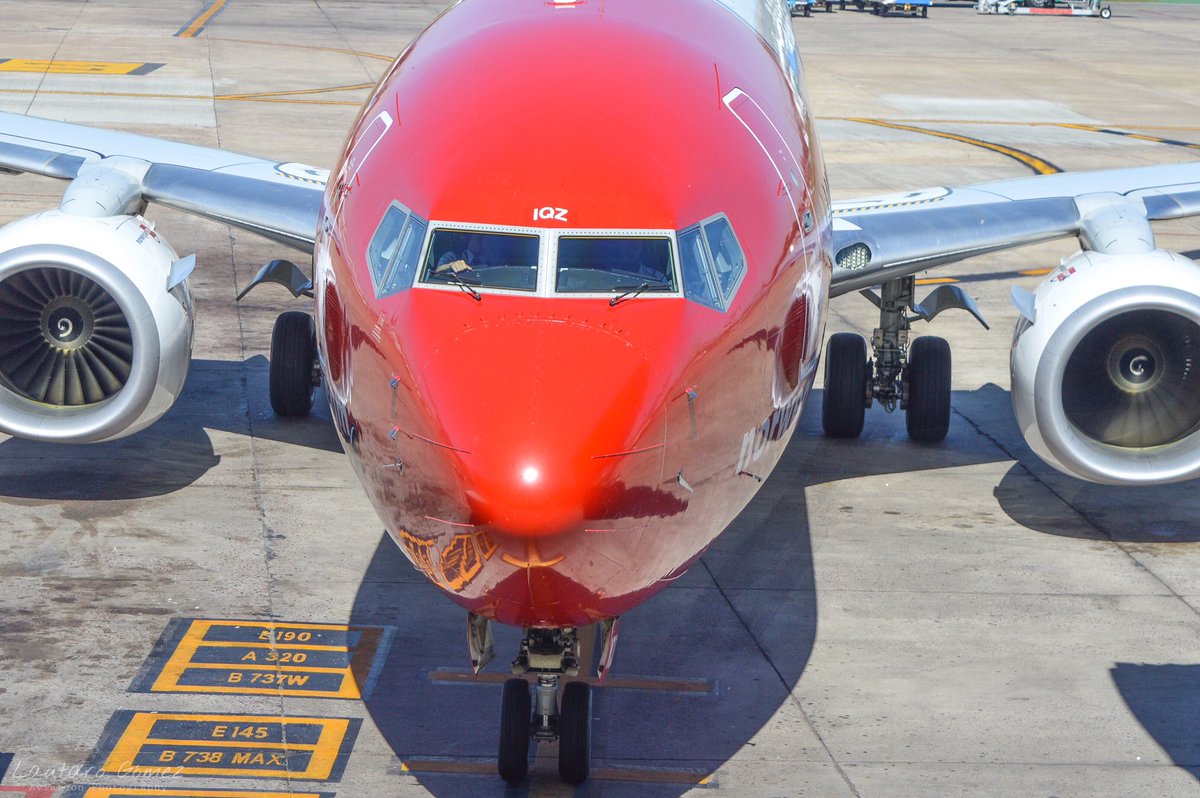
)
(540, 418)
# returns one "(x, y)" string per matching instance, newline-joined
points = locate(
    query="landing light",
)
(530, 475)
(854, 257)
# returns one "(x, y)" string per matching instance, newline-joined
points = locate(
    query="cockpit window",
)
(382, 248)
(482, 259)
(394, 250)
(726, 254)
(713, 262)
(697, 282)
(608, 264)
(404, 268)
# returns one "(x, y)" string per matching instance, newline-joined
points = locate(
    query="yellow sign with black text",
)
(312, 660)
(246, 746)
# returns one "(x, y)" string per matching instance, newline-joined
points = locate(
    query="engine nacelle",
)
(96, 324)
(1106, 376)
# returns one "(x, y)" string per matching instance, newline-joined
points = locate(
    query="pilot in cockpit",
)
(468, 257)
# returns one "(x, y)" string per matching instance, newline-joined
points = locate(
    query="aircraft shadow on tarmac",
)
(1036, 496)
(694, 633)
(740, 624)
(170, 454)
(1166, 701)
(719, 651)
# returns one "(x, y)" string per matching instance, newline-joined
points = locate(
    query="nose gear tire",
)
(516, 709)
(575, 733)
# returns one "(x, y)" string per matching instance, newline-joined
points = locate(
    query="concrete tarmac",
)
(884, 620)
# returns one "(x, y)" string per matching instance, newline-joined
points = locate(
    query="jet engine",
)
(1106, 367)
(96, 323)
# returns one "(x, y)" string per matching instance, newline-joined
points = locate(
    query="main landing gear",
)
(912, 376)
(549, 654)
(293, 376)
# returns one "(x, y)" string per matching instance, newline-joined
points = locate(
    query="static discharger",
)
(265, 658)
(245, 746)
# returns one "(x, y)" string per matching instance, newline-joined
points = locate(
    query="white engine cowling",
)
(1106, 377)
(96, 327)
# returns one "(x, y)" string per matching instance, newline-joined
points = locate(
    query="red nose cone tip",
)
(528, 496)
(534, 410)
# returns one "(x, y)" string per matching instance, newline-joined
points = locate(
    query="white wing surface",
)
(278, 200)
(879, 238)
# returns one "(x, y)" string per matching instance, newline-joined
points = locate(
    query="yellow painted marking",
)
(292, 93)
(230, 744)
(70, 67)
(200, 21)
(201, 97)
(1113, 131)
(268, 646)
(612, 682)
(247, 666)
(362, 53)
(137, 735)
(1032, 161)
(122, 792)
(936, 280)
(645, 776)
(1019, 123)
(181, 659)
(1034, 272)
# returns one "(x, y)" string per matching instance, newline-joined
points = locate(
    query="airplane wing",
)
(880, 238)
(280, 201)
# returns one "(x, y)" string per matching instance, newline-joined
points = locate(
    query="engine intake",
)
(1106, 377)
(66, 341)
(1133, 381)
(94, 343)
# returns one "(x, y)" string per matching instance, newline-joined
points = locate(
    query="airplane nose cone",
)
(539, 416)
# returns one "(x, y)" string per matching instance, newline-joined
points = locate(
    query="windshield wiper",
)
(633, 290)
(457, 279)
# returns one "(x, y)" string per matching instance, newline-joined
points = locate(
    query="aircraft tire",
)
(516, 708)
(928, 378)
(293, 352)
(575, 733)
(844, 404)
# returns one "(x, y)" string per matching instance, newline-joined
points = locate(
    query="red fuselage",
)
(548, 458)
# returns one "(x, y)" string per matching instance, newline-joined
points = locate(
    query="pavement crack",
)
(783, 681)
(1103, 534)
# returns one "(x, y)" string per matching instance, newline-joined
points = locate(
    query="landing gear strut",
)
(913, 377)
(549, 654)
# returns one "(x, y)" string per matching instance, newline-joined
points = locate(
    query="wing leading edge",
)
(280, 201)
(880, 238)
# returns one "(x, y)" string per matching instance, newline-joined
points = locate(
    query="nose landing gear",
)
(550, 654)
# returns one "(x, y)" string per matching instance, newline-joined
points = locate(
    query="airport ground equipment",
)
(884, 7)
(804, 8)
(1057, 8)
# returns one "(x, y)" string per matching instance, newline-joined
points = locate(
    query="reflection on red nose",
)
(536, 411)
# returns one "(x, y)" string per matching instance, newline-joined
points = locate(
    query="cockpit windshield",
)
(483, 259)
(609, 264)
